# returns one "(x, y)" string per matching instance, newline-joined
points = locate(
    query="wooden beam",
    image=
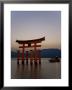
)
(30, 46)
(31, 41)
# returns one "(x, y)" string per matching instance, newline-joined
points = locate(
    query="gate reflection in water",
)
(45, 70)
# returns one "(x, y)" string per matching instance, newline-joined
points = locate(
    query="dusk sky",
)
(28, 25)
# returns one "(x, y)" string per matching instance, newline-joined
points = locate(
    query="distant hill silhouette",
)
(49, 53)
(45, 53)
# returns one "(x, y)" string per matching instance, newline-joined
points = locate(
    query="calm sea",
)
(45, 70)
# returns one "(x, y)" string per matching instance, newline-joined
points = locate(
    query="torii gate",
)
(28, 44)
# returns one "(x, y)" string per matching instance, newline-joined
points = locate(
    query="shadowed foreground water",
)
(45, 70)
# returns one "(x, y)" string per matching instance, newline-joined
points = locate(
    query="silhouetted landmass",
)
(45, 53)
(49, 53)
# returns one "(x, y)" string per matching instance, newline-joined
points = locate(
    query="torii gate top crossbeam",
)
(31, 41)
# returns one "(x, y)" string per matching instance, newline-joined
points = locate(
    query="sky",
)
(28, 25)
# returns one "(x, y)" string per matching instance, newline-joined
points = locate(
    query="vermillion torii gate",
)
(34, 55)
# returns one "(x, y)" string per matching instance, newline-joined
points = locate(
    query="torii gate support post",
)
(39, 56)
(27, 57)
(18, 58)
(35, 53)
(23, 55)
(31, 58)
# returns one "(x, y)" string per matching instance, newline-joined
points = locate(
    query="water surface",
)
(45, 70)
